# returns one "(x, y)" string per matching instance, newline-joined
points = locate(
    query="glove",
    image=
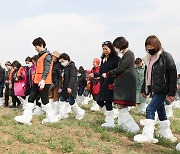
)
(41, 84)
(23, 86)
(10, 86)
(59, 90)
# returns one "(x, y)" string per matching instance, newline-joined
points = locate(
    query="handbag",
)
(19, 89)
(110, 86)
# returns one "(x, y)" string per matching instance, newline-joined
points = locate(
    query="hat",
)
(56, 54)
(97, 60)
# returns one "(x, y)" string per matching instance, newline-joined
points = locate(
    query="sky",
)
(79, 27)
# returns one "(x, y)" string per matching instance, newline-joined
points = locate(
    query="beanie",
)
(97, 60)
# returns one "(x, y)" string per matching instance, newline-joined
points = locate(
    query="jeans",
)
(71, 99)
(80, 90)
(156, 104)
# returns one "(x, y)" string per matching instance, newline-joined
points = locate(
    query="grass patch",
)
(22, 138)
(67, 145)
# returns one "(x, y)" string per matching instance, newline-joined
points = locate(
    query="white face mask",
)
(64, 63)
(79, 74)
(29, 65)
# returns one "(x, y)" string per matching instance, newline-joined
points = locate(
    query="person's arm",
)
(125, 61)
(47, 63)
(72, 77)
(172, 75)
(2, 75)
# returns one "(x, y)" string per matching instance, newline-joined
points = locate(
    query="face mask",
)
(64, 63)
(29, 65)
(152, 51)
(79, 74)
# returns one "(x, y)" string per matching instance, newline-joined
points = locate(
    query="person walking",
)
(54, 94)
(69, 89)
(42, 82)
(139, 72)
(160, 82)
(8, 68)
(124, 85)
(95, 84)
(110, 60)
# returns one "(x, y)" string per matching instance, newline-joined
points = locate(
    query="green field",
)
(76, 137)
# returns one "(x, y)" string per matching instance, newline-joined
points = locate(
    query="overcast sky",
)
(78, 27)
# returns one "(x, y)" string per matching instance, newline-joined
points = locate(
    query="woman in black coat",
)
(110, 60)
(124, 85)
(69, 88)
(159, 82)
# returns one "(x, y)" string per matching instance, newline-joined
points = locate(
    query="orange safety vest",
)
(40, 69)
(10, 74)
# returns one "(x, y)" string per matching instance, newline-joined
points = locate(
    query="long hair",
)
(16, 64)
(110, 46)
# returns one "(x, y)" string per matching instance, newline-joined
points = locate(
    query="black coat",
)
(163, 76)
(2, 75)
(125, 79)
(69, 80)
(105, 93)
(56, 73)
(82, 82)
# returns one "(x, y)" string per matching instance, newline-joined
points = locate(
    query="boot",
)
(116, 112)
(80, 99)
(90, 98)
(56, 107)
(176, 104)
(68, 108)
(126, 121)
(25, 102)
(50, 115)
(95, 106)
(51, 102)
(178, 147)
(79, 112)
(169, 111)
(38, 110)
(109, 119)
(63, 107)
(26, 117)
(147, 133)
(1, 101)
(142, 121)
(141, 108)
(85, 101)
(165, 131)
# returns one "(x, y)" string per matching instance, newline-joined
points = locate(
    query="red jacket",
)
(94, 82)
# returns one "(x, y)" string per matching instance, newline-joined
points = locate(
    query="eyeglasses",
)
(106, 43)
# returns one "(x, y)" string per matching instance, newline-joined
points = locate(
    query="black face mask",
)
(152, 51)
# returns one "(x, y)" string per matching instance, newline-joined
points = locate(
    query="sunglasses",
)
(106, 43)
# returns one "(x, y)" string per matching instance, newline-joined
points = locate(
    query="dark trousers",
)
(70, 99)
(81, 90)
(1, 89)
(7, 94)
(35, 92)
(107, 104)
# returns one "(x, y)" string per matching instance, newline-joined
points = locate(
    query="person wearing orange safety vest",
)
(42, 82)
